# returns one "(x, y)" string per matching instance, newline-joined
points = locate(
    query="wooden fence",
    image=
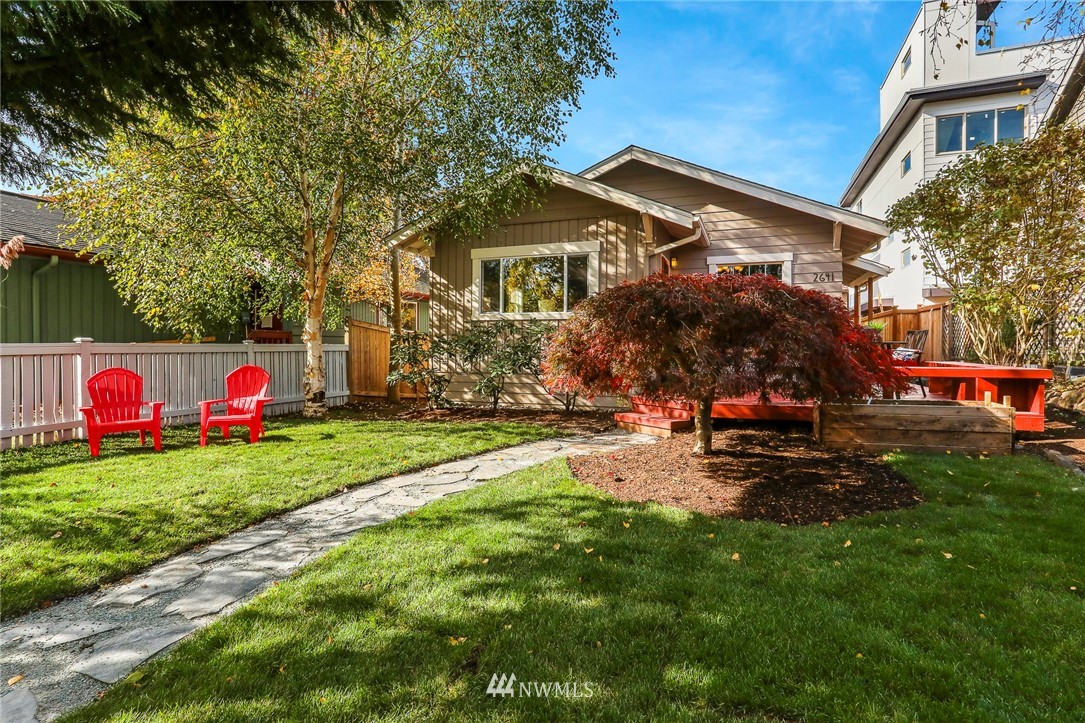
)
(370, 352)
(42, 386)
(899, 322)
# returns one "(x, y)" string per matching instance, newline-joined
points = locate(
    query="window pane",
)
(408, 317)
(1011, 125)
(948, 136)
(979, 128)
(906, 163)
(491, 285)
(578, 279)
(534, 283)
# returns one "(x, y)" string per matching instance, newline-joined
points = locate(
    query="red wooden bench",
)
(246, 389)
(973, 382)
(116, 401)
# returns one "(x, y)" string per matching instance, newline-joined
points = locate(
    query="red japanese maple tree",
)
(701, 337)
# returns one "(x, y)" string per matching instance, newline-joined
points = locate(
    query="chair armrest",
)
(210, 402)
(88, 412)
(156, 409)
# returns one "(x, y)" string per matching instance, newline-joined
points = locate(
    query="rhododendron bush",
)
(701, 337)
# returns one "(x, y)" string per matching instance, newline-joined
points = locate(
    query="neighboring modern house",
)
(630, 215)
(938, 102)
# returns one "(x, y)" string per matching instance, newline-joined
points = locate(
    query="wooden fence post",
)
(83, 372)
(250, 351)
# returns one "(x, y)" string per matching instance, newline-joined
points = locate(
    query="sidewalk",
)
(73, 651)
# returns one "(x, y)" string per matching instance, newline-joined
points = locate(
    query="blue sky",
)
(781, 93)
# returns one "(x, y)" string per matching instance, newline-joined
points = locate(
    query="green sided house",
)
(635, 213)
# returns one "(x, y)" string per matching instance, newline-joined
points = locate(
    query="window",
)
(543, 282)
(967, 131)
(776, 265)
(906, 62)
(906, 163)
(906, 257)
(774, 270)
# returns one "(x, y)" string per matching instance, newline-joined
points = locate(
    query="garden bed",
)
(772, 472)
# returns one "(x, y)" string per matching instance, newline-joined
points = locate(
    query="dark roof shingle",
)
(32, 217)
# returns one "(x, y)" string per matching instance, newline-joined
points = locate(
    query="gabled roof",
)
(408, 236)
(33, 218)
(739, 185)
(910, 105)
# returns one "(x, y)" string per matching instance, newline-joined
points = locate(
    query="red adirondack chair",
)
(116, 400)
(246, 388)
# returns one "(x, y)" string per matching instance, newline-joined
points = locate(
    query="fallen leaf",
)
(508, 627)
(485, 561)
(57, 534)
(367, 586)
(589, 550)
(600, 558)
(557, 545)
(323, 699)
(736, 557)
(847, 544)
(282, 668)
(598, 643)
(330, 640)
(229, 678)
(982, 616)
(134, 677)
(948, 554)
(825, 523)
(627, 523)
(15, 679)
(455, 640)
(858, 655)
(711, 535)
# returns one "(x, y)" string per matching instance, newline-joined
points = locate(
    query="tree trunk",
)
(703, 428)
(397, 315)
(315, 379)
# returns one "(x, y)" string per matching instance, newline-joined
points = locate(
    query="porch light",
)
(674, 262)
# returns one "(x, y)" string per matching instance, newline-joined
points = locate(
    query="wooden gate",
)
(370, 349)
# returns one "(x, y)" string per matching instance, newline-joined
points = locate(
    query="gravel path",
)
(66, 655)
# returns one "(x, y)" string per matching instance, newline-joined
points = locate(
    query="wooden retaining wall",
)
(916, 426)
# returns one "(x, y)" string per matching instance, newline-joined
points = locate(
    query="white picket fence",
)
(42, 386)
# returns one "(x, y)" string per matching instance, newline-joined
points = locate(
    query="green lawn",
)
(960, 609)
(133, 506)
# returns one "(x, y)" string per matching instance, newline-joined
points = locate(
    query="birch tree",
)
(285, 192)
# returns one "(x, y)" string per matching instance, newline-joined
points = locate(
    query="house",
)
(53, 293)
(632, 214)
(938, 102)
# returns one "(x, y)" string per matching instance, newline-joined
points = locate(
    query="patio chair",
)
(246, 390)
(116, 401)
(911, 354)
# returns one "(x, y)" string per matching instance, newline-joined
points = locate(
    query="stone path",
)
(69, 653)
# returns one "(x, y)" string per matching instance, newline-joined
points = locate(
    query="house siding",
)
(565, 216)
(735, 224)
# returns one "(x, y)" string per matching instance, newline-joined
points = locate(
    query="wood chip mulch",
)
(772, 473)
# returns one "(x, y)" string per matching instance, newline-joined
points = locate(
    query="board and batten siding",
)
(738, 225)
(566, 216)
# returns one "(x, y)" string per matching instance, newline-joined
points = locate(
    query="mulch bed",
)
(576, 422)
(775, 473)
(1064, 432)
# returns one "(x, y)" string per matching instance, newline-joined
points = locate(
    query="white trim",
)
(787, 260)
(591, 248)
(741, 185)
(621, 198)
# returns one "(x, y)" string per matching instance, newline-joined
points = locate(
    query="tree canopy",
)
(702, 337)
(288, 191)
(74, 72)
(1003, 229)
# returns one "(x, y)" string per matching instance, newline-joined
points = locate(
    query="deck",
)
(1022, 387)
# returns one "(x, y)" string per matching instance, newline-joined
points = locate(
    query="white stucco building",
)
(939, 100)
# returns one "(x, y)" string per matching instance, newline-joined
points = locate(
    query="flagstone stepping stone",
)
(400, 498)
(441, 489)
(403, 480)
(49, 635)
(464, 465)
(239, 543)
(216, 590)
(438, 480)
(492, 470)
(364, 517)
(114, 658)
(19, 707)
(280, 557)
(163, 579)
